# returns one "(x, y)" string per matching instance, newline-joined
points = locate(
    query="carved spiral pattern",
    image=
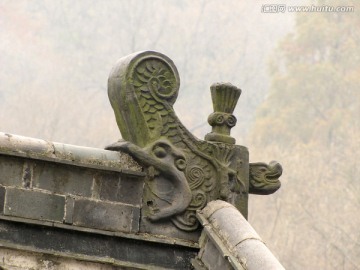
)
(219, 119)
(199, 200)
(195, 176)
(231, 121)
(187, 221)
(156, 76)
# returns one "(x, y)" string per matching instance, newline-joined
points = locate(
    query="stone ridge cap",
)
(27, 147)
(234, 238)
(214, 206)
(136, 236)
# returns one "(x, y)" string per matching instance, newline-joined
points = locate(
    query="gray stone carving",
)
(184, 173)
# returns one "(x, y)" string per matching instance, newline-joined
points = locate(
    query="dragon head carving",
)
(264, 178)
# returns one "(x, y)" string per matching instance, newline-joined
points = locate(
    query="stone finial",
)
(224, 97)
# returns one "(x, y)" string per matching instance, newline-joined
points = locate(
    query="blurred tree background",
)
(300, 75)
(310, 120)
(56, 57)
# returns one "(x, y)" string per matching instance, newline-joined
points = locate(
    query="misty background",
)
(300, 105)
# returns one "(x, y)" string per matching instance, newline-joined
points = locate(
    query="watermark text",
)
(282, 8)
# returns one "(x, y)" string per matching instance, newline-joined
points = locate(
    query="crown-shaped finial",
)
(224, 97)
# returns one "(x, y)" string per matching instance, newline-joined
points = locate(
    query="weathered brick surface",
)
(118, 188)
(106, 215)
(11, 171)
(63, 179)
(11, 259)
(44, 190)
(131, 189)
(83, 187)
(69, 210)
(2, 199)
(34, 204)
(136, 253)
(27, 173)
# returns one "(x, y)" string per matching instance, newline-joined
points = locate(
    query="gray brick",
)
(131, 189)
(11, 170)
(34, 204)
(119, 188)
(106, 215)
(106, 185)
(63, 179)
(69, 210)
(2, 199)
(27, 174)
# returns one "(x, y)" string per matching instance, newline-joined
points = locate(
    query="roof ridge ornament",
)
(184, 173)
(224, 97)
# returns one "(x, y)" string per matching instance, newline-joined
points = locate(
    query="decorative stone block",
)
(34, 204)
